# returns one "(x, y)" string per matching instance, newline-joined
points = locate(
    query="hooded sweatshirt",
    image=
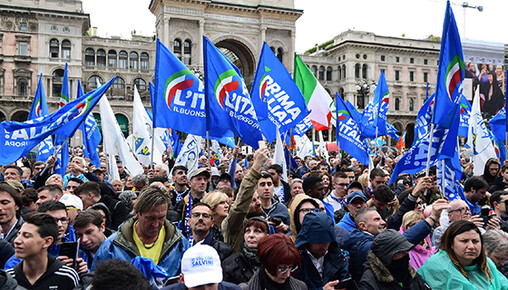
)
(294, 214)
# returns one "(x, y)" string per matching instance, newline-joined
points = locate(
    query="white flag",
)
(189, 154)
(478, 137)
(303, 146)
(141, 140)
(278, 157)
(114, 141)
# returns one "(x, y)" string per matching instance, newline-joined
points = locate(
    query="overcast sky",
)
(324, 19)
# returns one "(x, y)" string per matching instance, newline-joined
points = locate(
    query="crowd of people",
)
(331, 224)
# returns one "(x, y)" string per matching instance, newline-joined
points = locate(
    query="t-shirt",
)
(152, 251)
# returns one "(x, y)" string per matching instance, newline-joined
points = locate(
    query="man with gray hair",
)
(161, 170)
(140, 181)
(149, 234)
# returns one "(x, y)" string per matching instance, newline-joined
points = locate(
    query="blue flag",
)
(443, 146)
(276, 97)
(450, 73)
(348, 134)
(302, 127)
(228, 104)
(499, 147)
(465, 112)
(91, 135)
(391, 131)
(61, 146)
(448, 178)
(175, 143)
(374, 116)
(357, 116)
(19, 138)
(422, 124)
(39, 109)
(179, 97)
(498, 125)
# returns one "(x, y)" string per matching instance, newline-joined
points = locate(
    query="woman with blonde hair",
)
(421, 252)
(219, 202)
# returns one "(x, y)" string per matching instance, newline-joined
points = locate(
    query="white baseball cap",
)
(71, 200)
(201, 266)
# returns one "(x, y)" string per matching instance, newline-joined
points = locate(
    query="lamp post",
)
(466, 5)
(363, 90)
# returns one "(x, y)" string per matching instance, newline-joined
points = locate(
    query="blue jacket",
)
(358, 243)
(121, 246)
(319, 228)
(347, 223)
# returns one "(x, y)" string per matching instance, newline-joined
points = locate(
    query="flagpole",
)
(429, 153)
(208, 147)
(153, 144)
(54, 154)
(443, 175)
(506, 107)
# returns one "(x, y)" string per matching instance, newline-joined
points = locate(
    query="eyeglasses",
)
(462, 210)
(284, 270)
(307, 210)
(199, 214)
(341, 184)
(63, 220)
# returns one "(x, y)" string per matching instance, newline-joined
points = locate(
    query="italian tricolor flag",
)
(318, 100)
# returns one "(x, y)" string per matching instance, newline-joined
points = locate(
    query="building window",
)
(360, 101)
(397, 75)
(133, 56)
(119, 83)
(92, 82)
(66, 49)
(280, 53)
(187, 51)
(397, 104)
(364, 56)
(66, 29)
(54, 28)
(54, 48)
(412, 60)
(22, 87)
(425, 77)
(140, 84)
(339, 70)
(89, 57)
(112, 58)
(122, 59)
(58, 75)
(425, 61)
(411, 104)
(314, 70)
(382, 58)
(329, 73)
(364, 71)
(321, 73)
(23, 26)
(177, 47)
(357, 70)
(23, 48)
(358, 56)
(144, 61)
(397, 59)
(344, 76)
(101, 57)
(411, 76)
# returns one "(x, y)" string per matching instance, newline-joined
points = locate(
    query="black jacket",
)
(14, 233)
(224, 250)
(119, 212)
(377, 276)
(57, 276)
(237, 268)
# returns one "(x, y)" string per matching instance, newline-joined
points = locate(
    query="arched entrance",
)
(2, 117)
(20, 116)
(410, 135)
(241, 56)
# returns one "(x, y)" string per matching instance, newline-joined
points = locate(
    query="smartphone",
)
(172, 280)
(346, 283)
(276, 221)
(70, 250)
(262, 144)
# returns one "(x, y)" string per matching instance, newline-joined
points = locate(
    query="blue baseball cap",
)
(356, 194)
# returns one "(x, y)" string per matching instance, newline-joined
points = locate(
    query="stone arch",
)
(277, 43)
(399, 127)
(243, 50)
(2, 116)
(20, 116)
